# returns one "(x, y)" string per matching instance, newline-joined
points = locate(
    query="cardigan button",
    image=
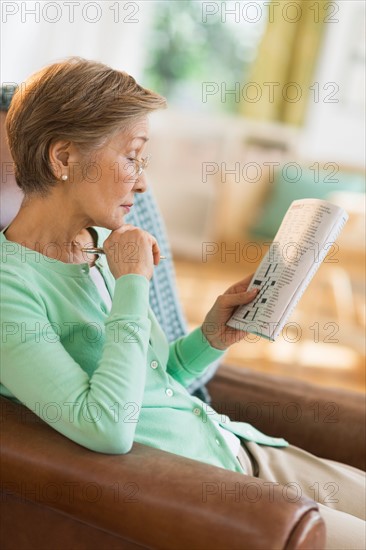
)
(154, 364)
(169, 392)
(218, 441)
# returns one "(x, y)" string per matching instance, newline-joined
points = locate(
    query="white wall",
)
(336, 131)
(194, 209)
(38, 33)
(35, 34)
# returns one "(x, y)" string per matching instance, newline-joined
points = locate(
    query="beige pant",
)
(339, 489)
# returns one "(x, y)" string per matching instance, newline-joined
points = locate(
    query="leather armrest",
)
(149, 497)
(328, 422)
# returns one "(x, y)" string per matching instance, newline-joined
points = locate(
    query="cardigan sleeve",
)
(42, 375)
(190, 355)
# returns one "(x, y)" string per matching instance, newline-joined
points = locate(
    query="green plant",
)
(185, 52)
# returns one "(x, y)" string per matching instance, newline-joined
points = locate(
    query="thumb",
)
(156, 252)
(240, 298)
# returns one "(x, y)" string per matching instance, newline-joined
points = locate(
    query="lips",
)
(127, 206)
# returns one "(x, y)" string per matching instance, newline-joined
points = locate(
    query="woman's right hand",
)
(130, 249)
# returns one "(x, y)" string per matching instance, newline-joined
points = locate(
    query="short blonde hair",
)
(76, 100)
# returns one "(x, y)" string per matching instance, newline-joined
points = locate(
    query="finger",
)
(240, 286)
(122, 229)
(239, 298)
(126, 227)
(156, 253)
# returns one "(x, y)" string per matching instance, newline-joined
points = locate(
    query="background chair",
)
(58, 494)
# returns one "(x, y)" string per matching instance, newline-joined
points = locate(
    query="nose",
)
(141, 184)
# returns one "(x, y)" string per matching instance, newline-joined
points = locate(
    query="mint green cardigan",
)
(105, 378)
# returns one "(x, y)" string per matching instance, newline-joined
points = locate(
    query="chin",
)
(111, 218)
(114, 222)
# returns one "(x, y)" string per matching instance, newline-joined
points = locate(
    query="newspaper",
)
(307, 232)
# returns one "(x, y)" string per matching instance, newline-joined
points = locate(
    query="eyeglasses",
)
(140, 164)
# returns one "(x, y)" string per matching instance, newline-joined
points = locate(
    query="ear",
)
(60, 154)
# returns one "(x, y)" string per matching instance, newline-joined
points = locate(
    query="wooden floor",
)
(325, 341)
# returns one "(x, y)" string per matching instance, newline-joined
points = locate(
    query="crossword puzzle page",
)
(304, 238)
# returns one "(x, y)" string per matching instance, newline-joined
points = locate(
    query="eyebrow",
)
(144, 138)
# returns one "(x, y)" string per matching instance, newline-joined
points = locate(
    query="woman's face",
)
(109, 179)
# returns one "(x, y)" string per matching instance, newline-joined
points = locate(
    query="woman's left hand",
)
(214, 327)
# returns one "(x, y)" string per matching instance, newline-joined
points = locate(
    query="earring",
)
(64, 177)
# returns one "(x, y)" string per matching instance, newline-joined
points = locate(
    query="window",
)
(191, 46)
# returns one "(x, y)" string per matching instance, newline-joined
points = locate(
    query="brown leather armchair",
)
(57, 494)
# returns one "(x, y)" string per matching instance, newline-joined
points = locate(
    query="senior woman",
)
(78, 332)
